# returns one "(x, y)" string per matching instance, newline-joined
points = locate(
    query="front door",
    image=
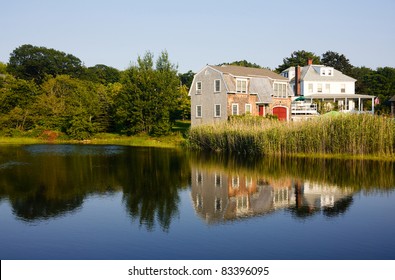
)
(261, 110)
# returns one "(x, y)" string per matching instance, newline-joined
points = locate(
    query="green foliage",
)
(186, 78)
(102, 74)
(35, 63)
(337, 61)
(243, 63)
(3, 68)
(149, 96)
(298, 58)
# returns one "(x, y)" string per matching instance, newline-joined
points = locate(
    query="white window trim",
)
(215, 111)
(245, 109)
(201, 111)
(199, 178)
(217, 199)
(235, 182)
(237, 105)
(215, 87)
(199, 91)
(240, 90)
(218, 180)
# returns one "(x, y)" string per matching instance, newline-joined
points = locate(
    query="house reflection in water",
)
(220, 196)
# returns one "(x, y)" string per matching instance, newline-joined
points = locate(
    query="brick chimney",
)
(309, 61)
(297, 81)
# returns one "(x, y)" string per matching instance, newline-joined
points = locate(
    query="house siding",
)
(242, 100)
(208, 97)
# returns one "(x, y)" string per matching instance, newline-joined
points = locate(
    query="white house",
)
(323, 83)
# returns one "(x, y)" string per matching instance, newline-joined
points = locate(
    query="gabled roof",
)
(392, 99)
(240, 71)
(312, 73)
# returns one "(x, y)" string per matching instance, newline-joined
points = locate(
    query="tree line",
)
(44, 89)
(379, 82)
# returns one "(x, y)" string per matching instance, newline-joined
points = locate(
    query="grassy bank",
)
(175, 139)
(343, 135)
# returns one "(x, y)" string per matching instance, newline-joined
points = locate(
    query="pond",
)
(118, 202)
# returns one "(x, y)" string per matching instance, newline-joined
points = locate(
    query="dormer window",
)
(241, 86)
(326, 71)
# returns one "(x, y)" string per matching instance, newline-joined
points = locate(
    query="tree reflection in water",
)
(47, 181)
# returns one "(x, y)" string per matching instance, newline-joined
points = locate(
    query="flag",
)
(376, 101)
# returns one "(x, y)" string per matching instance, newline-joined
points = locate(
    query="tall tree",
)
(148, 97)
(16, 99)
(298, 58)
(103, 74)
(186, 78)
(35, 63)
(337, 61)
(3, 68)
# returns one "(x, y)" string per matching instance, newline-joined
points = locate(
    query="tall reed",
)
(344, 134)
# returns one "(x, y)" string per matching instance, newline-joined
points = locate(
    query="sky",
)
(196, 33)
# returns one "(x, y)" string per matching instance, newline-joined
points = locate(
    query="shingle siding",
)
(208, 97)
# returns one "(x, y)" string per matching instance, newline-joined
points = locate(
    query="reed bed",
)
(344, 134)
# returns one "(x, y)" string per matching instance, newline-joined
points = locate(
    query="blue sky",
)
(196, 33)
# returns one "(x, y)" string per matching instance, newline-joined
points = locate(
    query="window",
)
(319, 88)
(310, 87)
(328, 88)
(280, 90)
(248, 183)
(235, 182)
(329, 72)
(198, 111)
(218, 204)
(217, 85)
(199, 201)
(199, 178)
(235, 109)
(218, 180)
(343, 88)
(217, 110)
(198, 87)
(241, 86)
(248, 109)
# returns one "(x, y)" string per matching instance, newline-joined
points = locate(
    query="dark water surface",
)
(115, 202)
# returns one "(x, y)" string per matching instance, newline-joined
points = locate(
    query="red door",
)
(280, 112)
(261, 110)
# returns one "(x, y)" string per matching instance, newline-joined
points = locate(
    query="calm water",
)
(115, 202)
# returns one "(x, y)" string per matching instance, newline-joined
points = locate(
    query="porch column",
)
(346, 105)
(359, 104)
(372, 105)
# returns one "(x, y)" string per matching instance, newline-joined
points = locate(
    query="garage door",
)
(280, 112)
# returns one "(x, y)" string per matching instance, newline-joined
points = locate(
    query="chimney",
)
(309, 61)
(297, 80)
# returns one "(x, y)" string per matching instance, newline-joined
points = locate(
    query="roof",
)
(392, 99)
(338, 95)
(241, 71)
(262, 88)
(312, 73)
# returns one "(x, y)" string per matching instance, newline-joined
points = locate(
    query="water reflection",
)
(48, 181)
(225, 189)
(43, 182)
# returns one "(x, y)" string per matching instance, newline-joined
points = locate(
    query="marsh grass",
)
(345, 135)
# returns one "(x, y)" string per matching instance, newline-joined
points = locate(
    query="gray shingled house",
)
(218, 92)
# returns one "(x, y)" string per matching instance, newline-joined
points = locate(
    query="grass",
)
(345, 135)
(175, 139)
